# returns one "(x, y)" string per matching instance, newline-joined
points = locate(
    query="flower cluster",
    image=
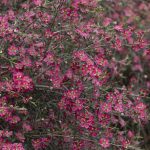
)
(74, 74)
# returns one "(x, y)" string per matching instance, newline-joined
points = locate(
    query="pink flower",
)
(46, 18)
(69, 73)
(17, 76)
(107, 21)
(27, 83)
(4, 111)
(20, 136)
(27, 127)
(81, 55)
(130, 134)
(78, 105)
(12, 50)
(14, 119)
(27, 62)
(104, 119)
(106, 107)
(140, 107)
(57, 80)
(7, 133)
(104, 142)
(118, 28)
(100, 60)
(72, 94)
(37, 2)
(86, 120)
(49, 59)
(125, 143)
(122, 122)
(119, 107)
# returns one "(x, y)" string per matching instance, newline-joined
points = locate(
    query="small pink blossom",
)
(118, 28)
(38, 2)
(106, 107)
(140, 107)
(130, 134)
(27, 127)
(12, 50)
(104, 142)
(119, 108)
(107, 21)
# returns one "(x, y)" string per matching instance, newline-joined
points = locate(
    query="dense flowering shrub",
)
(74, 75)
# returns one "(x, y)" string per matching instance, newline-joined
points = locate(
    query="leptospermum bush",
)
(72, 77)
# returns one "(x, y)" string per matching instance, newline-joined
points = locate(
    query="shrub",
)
(72, 75)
